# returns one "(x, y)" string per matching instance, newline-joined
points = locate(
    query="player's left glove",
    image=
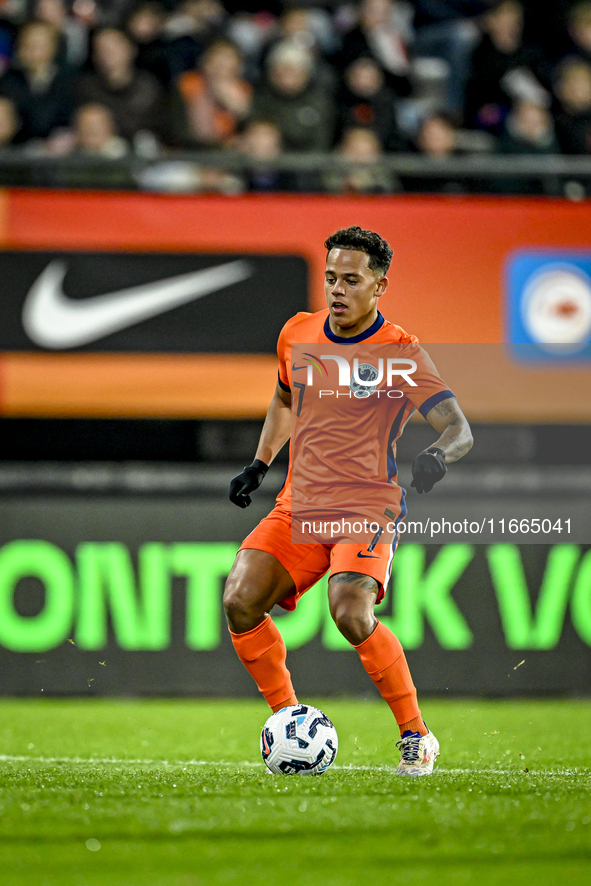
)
(427, 469)
(250, 479)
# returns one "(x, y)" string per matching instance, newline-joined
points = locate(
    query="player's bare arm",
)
(456, 437)
(277, 427)
(455, 441)
(275, 434)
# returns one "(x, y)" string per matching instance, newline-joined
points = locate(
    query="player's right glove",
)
(427, 469)
(246, 482)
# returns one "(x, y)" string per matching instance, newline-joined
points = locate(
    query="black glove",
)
(249, 480)
(427, 469)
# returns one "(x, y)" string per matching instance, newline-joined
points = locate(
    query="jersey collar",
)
(355, 339)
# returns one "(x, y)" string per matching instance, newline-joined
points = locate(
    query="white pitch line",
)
(91, 761)
(9, 758)
(114, 761)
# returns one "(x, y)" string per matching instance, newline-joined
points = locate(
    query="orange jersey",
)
(351, 398)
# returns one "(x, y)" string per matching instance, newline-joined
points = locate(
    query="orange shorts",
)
(306, 563)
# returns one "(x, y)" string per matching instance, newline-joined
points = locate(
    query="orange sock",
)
(262, 652)
(383, 658)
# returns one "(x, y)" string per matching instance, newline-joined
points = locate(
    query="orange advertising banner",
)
(448, 284)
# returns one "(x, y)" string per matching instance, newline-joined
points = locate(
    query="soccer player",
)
(269, 568)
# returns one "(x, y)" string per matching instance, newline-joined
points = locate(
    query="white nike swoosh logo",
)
(53, 320)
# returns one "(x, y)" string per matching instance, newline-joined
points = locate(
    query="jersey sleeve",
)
(429, 388)
(403, 336)
(283, 356)
(286, 336)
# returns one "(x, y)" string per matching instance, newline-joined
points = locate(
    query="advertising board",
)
(120, 596)
(452, 280)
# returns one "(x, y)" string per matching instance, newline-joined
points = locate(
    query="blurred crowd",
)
(359, 79)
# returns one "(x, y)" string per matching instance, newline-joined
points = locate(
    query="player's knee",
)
(240, 605)
(353, 617)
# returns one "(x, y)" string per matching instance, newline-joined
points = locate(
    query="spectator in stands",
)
(215, 98)
(9, 129)
(261, 142)
(361, 148)
(437, 139)
(251, 32)
(529, 129)
(447, 29)
(73, 34)
(383, 32)
(7, 37)
(194, 25)
(365, 99)
(579, 30)
(504, 68)
(95, 133)
(573, 112)
(302, 109)
(40, 88)
(437, 136)
(93, 139)
(312, 29)
(145, 26)
(135, 98)
(9, 123)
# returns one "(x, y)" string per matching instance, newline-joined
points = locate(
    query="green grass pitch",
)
(173, 793)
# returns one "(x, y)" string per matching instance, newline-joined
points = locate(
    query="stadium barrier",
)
(471, 168)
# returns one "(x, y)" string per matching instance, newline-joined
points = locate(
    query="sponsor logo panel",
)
(548, 305)
(148, 302)
(119, 616)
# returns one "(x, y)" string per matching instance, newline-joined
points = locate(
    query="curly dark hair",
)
(380, 253)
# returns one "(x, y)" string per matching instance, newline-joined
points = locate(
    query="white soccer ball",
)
(299, 740)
